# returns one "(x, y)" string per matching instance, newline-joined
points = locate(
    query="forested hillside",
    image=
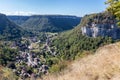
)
(73, 43)
(46, 23)
(19, 20)
(8, 29)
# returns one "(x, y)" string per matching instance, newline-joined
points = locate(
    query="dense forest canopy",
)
(46, 23)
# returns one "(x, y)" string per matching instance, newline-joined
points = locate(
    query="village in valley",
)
(32, 54)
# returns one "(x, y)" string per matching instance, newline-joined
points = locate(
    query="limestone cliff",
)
(102, 24)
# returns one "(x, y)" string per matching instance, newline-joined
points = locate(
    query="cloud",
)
(19, 13)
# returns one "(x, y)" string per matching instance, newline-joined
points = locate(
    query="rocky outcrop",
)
(101, 25)
(99, 30)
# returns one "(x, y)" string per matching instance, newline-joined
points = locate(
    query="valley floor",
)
(104, 65)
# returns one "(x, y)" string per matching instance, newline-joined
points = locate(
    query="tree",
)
(114, 8)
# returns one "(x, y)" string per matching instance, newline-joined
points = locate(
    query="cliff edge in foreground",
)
(104, 65)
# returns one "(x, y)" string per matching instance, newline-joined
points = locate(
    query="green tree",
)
(114, 8)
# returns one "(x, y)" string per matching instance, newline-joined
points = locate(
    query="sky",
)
(51, 7)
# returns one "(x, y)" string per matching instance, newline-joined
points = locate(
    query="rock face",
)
(101, 25)
(99, 30)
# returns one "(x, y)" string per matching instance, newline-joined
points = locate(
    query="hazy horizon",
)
(51, 7)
